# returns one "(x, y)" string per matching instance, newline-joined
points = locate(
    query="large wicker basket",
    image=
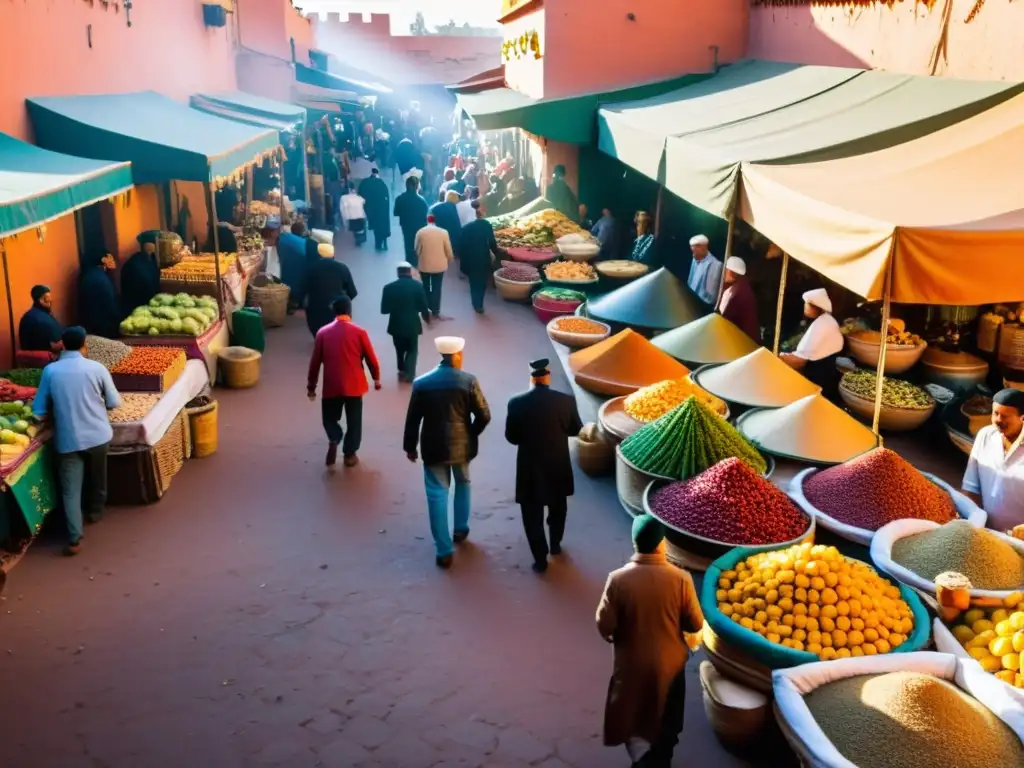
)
(202, 419)
(239, 366)
(271, 296)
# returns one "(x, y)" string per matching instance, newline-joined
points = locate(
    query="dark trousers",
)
(432, 287)
(379, 241)
(660, 754)
(331, 408)
(83, 473)
(410, 247)
(533, 524)
(406, 351)
(477, 289)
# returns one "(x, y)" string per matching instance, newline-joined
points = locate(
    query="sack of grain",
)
(904, 713)
(737, 714)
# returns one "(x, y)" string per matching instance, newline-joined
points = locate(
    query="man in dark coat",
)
(291, 253)
(561, 196)
(407, 157)
(374, 190)
(98, 309)
(446, 216)
(39, 330)
(405, 302)
(540, 422)
(328, 279)
(140, 275)
(411, 210)
(476, 244)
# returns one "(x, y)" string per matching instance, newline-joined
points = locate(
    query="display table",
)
(154, 425)
(28, 493)
(204, 347)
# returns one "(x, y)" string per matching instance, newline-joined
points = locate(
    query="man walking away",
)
(375, 192)
(328, 279)
(646, 607)
(342, 348)
(540, 423)
(475, 249)
(447, 413)
(353, 208)
(405, 302)
(434, 254)
(411, 211)
(77, 393)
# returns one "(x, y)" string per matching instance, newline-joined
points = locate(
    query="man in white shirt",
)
(353, 210)
(705, 278)
(823, 341)
(995, 472)
(434, 252)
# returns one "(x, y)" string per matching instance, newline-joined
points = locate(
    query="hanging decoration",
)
(276, 154)
(929, 4)
(522, 46)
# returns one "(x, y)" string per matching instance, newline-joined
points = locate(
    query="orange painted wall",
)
(592, 46)
(900, 38)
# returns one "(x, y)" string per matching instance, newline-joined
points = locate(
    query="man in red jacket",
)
(341, 348)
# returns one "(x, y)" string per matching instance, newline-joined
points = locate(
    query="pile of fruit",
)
(876, 488)
(199, 268)
(538, 229)
(895, 336)
(9, 392)
(181, 315)
(106, 352)
(165, 362)
(732, 504)
(518, 273)
(16, 428)
(896, 393)
(264, 209)
(570, 271)
(811, 598)
(250, 242)
(995, 639)
(135, 406)
(651, 403)
(687, 440)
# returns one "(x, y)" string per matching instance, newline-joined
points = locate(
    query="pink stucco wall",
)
(596, 46)
(265, 30)
(901, 38)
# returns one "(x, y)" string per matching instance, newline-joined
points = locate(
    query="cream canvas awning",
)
(947, 210)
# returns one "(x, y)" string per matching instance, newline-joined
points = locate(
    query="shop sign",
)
(522, 46)
(509, 7)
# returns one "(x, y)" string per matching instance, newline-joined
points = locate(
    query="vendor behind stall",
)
(815, 355)
(995, 472)
(140, 276)
(644, 243)
(739, 304)
(98, 309)
(39, 330)
(561, 196)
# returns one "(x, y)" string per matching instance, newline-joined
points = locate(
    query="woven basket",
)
(202, 419)
(596, 459)
(240, 367)
(170, 451)
(271, 296)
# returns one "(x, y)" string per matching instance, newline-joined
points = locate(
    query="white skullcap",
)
(819, 298)
(449, 345)
(699, 240)
(326, 250)
(736, 264)
(404, 265)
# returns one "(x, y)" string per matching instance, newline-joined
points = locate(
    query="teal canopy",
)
(163, 140)
(694, 139)
(37, 186)
(247, 108)
(310, 76)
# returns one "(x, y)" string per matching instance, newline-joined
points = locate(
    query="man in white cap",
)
(815, 354)
(705, 271)
(447, 412)
(739, 305)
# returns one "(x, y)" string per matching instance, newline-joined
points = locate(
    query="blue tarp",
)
(37, 185)
(321, 79)
(247, 108)
(163, 140)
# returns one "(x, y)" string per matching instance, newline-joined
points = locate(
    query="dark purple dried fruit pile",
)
(732, 504)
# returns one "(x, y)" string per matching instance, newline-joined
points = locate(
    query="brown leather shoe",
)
(72, 549)
(351, 460)
(444, 563)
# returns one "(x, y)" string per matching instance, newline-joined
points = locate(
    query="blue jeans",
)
(73, 470)
(432, 286)
(438, 479)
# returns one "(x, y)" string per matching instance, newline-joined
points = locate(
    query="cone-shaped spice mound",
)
(760, 380)
(730, 503)
(811, 429)
(658, 301)
(622, 364)
(986, 560)
(712, 339)
(686, 441)
(876, 488)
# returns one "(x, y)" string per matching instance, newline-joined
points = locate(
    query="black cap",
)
(539, 368)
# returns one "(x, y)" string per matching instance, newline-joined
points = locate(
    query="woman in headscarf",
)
(98, 310)
(39, 330)
(140, 276)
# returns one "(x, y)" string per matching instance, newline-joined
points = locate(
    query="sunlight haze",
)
(481, 13)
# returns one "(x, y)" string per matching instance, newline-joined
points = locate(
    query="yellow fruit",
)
(973, 615)
(1001, 646)
(991, 664)
(814, 648)
(869, 649)
(1017, 620)
(828, 654)
(1011, 661)
(998, 615)
(982, 625)
(1004, 629)
(1007, 676)
(1018, 641)
(843, 653)
(983, 639)
(963, 634)
(978, 653)
(883, 646)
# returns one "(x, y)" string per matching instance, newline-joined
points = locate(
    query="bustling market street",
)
(269, 613)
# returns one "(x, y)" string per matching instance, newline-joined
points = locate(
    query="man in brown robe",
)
(646, 607)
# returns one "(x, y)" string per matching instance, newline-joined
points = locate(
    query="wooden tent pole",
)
(211, 210)
(657, 210)
(884, 333)
(305, 163)
(778, 307)
(10, 304)
(249, 186)
(725, 258)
